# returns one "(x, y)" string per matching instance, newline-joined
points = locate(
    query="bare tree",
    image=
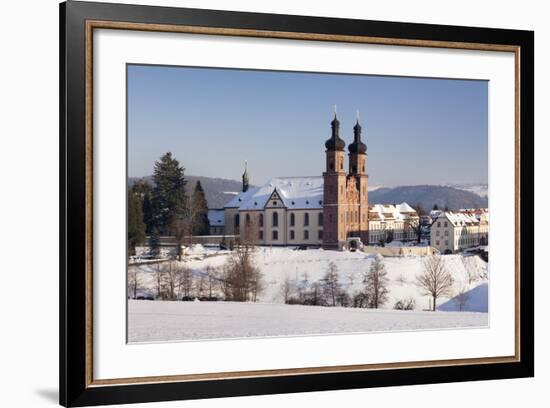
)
(186, 281)
(435, 280)
(158, 281)
(331, 284)
(471, 271)
(134, 281)
(170, 280)
(416, 224)
(287, 287)
(213, 278)
(242, 278)
(462, 297)
(376, 283)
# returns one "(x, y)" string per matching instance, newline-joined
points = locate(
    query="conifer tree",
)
(143, 190)
(201, 210)
(154, 243)
(136, 227)
(168, 191)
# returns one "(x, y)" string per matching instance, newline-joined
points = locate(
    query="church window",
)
(237, 220)
(341, 165)
(320, 219)
(320, 234)
(306, 234)
(261, 222)
(292, 234)
(275, 219)
(260, 235)
(248, 218)
(275, 235)
(331, 165)
(292, 219)
(306, 219)
(274, 202)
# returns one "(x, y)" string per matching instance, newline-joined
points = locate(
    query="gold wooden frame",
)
(98, 24)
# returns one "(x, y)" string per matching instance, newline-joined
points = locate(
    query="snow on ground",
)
(151, 321)
(477, 301)
(305, 267)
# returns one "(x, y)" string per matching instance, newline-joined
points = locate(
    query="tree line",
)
(435, 281)
(165, 208)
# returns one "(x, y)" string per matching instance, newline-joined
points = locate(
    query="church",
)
(330, 211)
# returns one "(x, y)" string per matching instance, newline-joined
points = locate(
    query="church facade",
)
(331, 210)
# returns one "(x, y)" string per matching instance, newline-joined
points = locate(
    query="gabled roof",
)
(241, 198)
(386, 212)
(295, 192)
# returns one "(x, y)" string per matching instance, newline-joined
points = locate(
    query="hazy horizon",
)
(418, 131)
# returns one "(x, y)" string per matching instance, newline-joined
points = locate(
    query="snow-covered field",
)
(153, 321)
(165, 320)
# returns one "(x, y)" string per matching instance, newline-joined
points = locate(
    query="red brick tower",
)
(334, 195)
(358, 173)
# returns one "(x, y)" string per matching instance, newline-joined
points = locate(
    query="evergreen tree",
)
(144, 191)
(136, 227)
(154, 243)
(168, 192)
(201, 211)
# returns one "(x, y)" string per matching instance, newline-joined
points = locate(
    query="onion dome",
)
(335, 143)
(357, 146)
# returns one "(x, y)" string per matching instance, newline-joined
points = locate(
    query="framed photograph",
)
(257, 204)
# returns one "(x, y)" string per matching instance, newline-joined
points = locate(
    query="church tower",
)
(245, 178)
(334, 195)
(358, 170)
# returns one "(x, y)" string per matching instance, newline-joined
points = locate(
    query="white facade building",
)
(398, 221)
(454, 231)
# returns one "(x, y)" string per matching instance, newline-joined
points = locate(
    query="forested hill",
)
(218, 191)
(426, 196)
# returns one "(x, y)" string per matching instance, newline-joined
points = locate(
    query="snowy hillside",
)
(302, 268)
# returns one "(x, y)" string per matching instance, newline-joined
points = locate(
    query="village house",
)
(455, 231)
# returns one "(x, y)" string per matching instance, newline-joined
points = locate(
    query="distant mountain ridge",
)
(427, 196)
(220, 191)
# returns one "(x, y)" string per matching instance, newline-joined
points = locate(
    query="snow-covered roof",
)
(384, 212)
(460, 219)
(295, 192)
(216, 218)
(241, 198)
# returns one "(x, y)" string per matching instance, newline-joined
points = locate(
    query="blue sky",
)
(417, 131)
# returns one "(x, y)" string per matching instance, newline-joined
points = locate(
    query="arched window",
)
(275, 235)
(306, 219)
(292, 219)
(275, 219)
(248, 218)
(320, 219)
(292, 234)
(237, 220)
(261, 220)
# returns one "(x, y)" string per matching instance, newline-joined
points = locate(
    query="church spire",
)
(357, 146)
(245, 177)
(335, 142)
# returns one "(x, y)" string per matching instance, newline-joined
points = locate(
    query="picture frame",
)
(78, 20)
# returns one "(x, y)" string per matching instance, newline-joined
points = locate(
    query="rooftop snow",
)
(216, 218)
(295, 192)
